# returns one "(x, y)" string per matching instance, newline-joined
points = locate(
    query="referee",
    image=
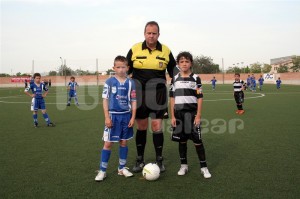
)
(148, 62)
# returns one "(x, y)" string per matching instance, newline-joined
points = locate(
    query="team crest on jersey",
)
(113, 89)
(34, 89)
(192, 84)
(161, 64)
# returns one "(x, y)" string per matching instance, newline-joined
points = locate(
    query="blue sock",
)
(35, 118)
(105, 155)
(46, 118)
(123, 151)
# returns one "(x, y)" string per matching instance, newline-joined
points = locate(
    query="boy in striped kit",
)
(186, 106)
(238, 93)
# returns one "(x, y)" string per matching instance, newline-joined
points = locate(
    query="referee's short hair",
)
(121, 58)
(186, 55)
(238, 74)
(153, 23)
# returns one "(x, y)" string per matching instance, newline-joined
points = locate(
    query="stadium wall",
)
(287, 78)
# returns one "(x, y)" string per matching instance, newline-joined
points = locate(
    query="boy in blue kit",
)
(119, 106)
(278, 82)
(261, 82)
(186, 105)
(72, 87)
(253, 84)
(249, 82)
(39, 92)
(213, 83)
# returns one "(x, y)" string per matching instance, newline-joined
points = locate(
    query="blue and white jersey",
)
(253, 82)
(213, 81)
(261, 81)
(248, 80)
(37, 90)
(119, 94)
(73, 85)
(278, 82)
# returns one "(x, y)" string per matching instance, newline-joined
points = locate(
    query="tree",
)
(18, 74)
(234, 70)
(296, 64)
(283, 69)
(65, 71)
(52, 73)
(205, 65)
(108, 71)
(255, 68)
(4, 75)
(266, 68)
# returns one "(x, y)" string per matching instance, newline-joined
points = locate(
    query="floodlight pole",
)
(223, 69)
(97, 72)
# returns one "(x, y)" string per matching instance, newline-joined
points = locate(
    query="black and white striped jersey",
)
(238, 86)
(186, 91)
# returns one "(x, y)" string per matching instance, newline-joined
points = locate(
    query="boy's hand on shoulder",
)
(108, 122)
(131, 122)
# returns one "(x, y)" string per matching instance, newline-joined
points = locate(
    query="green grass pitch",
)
(255, 155)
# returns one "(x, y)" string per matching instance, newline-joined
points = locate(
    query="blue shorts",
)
(72, 93)
(120, 129)
(37, 104)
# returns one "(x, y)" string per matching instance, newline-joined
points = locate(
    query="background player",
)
(278, 83)
(261, 82)
(213, 83)
(119, 106)
(72, 87)
(238, 93)
(186, 105)
(39, 92)
(253, 83)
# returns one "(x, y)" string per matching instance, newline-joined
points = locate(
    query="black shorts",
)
(239, 97)
(151, 102)
(185, 128)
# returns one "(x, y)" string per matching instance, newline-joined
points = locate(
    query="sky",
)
(80, 31)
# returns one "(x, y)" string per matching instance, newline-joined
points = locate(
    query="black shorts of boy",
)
(239, 97)
(185, 128)
(151, 103)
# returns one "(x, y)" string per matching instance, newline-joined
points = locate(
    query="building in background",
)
(281, 61)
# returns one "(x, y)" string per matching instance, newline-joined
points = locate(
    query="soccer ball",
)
(151, 172)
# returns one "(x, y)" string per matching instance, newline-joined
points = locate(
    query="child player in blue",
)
(278, 82)
(261, 82)
(72, 87)
(39, 92)
(213, 83)
(249, 82)
(119, 106)
(253, 84)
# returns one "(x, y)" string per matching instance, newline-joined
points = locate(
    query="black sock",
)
(182, 152)
(201, 155)
(158, 141)
(140, 141)
(239, 106)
